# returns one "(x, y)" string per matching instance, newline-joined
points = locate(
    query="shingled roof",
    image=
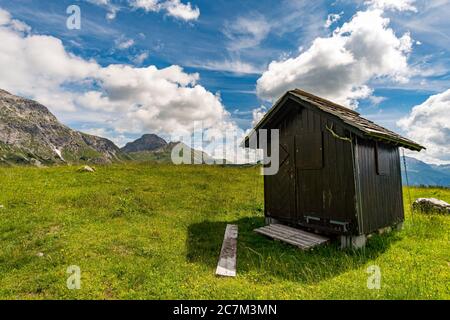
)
(350, 117)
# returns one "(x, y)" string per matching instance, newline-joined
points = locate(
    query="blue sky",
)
(230, 45)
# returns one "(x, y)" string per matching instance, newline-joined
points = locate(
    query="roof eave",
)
(399, 142)
(361, 130)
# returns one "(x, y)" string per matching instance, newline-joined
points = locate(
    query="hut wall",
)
(315, 186)
(380, 187)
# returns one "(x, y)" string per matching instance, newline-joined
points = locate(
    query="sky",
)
(158, 66)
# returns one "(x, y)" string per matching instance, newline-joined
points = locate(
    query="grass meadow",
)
(146, 231)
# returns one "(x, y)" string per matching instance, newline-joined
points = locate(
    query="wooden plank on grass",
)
(227, 260)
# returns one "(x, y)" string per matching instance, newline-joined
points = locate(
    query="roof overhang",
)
(371, 131)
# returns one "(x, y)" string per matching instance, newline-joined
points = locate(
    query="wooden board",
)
(302, 239)
(227, 260)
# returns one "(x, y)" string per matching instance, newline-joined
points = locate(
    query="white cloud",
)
(376, 100)
(123, 97)
(111, 8)
(332, 18)
(5, 17)
(429, 124)
(111, 14)
(182, 11)
(100, 2)
(16, 25)
(157, 100)
(173, 8)
(248, 53)
(430, 24)
(41, 65)
(246, 32)
(340, 66)
(258, 114)
(147, 5)
(140, 58)
(124, 43)
(398, 5)
(235, 66)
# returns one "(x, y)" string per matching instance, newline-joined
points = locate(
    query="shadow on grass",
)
(263, 259)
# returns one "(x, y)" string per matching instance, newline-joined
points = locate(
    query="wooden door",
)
(309, 165)
(280, 188)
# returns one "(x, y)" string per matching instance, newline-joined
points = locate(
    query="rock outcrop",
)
(430, 205)
(86, 169)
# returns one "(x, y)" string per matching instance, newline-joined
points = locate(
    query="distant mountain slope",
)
(421, 173)
(151, 147)
(31, 134)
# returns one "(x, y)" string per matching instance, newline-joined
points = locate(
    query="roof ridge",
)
(314, 97)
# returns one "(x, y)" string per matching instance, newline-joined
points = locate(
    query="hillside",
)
(31, 134)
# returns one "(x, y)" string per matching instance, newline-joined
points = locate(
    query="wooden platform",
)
(227, 261)
(299, 238)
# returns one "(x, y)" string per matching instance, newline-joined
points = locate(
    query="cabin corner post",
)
(356, 177)
(399, 225)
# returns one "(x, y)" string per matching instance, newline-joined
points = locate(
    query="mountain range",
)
(31, 134)
(151, 147)
(421, 173)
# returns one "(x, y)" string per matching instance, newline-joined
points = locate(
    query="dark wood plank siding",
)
(280, 189)
(325, 191)
(380, 194)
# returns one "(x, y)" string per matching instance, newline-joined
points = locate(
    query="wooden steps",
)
(299, 238)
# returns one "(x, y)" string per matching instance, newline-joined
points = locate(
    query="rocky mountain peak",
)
(148, 142)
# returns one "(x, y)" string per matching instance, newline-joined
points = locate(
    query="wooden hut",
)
(339, 173)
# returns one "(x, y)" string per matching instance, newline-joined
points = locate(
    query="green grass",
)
(152, 156)
(141, 231)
